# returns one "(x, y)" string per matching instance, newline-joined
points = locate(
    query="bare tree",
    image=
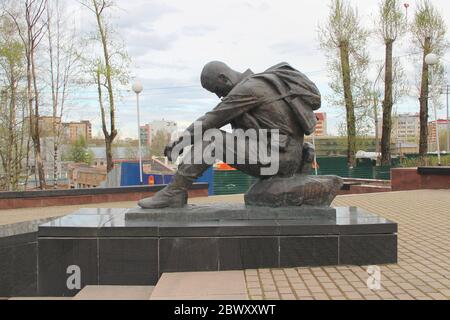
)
(400, 89)
(110, 70)
(31, 32)
(12, 61)
(429, 35)
(343, 38)
(63, 62)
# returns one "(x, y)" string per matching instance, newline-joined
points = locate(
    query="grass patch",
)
(429, 161)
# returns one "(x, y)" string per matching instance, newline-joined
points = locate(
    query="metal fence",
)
(231, 182)
(236, 182)
(365, 169)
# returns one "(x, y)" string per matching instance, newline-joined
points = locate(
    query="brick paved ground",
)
(423, 271)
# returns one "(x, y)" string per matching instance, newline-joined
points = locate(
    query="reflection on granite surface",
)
(82, 221)
(342, 219)
(100, 211)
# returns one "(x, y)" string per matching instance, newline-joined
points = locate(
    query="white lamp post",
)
(431, 60)
(138, 88)
(316, 170)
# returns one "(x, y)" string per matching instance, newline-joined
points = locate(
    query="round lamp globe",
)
(137, 87)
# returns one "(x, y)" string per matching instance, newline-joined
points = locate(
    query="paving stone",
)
(115, 293)
(423, 269)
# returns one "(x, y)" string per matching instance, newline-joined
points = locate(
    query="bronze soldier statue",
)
(280, 98)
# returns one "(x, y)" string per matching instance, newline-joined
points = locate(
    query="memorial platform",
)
(135, 247)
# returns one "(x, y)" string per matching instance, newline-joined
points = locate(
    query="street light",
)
(138, 88)
(406, 5)
(431, 60)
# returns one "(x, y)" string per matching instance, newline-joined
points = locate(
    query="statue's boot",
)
(175, 195)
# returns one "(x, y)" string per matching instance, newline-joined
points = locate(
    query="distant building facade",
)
(405, 128)
(442, 124)
(74, 130)
(53, 162)
(321, 128)
(71, 131)
(46, 125)
(149, 131)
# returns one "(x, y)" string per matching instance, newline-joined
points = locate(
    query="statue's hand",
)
(309, 153)
(308, 158)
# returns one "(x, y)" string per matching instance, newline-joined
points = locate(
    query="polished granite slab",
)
(117, 223)
(123, 247)
(18, 265)
(18, 258)
(230, 211)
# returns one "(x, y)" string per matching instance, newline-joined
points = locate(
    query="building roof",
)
(440, 121)
(118, 153)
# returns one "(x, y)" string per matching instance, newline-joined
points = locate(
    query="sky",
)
(169, 42)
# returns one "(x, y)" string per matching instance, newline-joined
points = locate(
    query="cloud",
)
(293, 47)
(198, 30)
(141, 14)
(140, 43)
(169, 43)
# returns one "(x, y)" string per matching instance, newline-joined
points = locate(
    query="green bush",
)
(80, 153)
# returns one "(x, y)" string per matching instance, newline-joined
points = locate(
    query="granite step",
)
(225, 285)
(115, 293)
(39, 299)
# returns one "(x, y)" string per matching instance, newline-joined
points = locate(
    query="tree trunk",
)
(12, 134)
(423, 145)
(27, 164)
(54, 88)
(36, 133)
(109, 155)
(387, 108)
(109, 139)
(11, 138)
(20, 149)
(349, 106)
(55, 164)
(377, 132)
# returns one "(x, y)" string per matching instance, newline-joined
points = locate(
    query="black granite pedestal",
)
(135, 247)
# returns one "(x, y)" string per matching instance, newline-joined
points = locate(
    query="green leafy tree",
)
(343, 39)
(13, 132)
(80, 153)
(391, 25)
(30, 26)
(108, 67)
(429, 36)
